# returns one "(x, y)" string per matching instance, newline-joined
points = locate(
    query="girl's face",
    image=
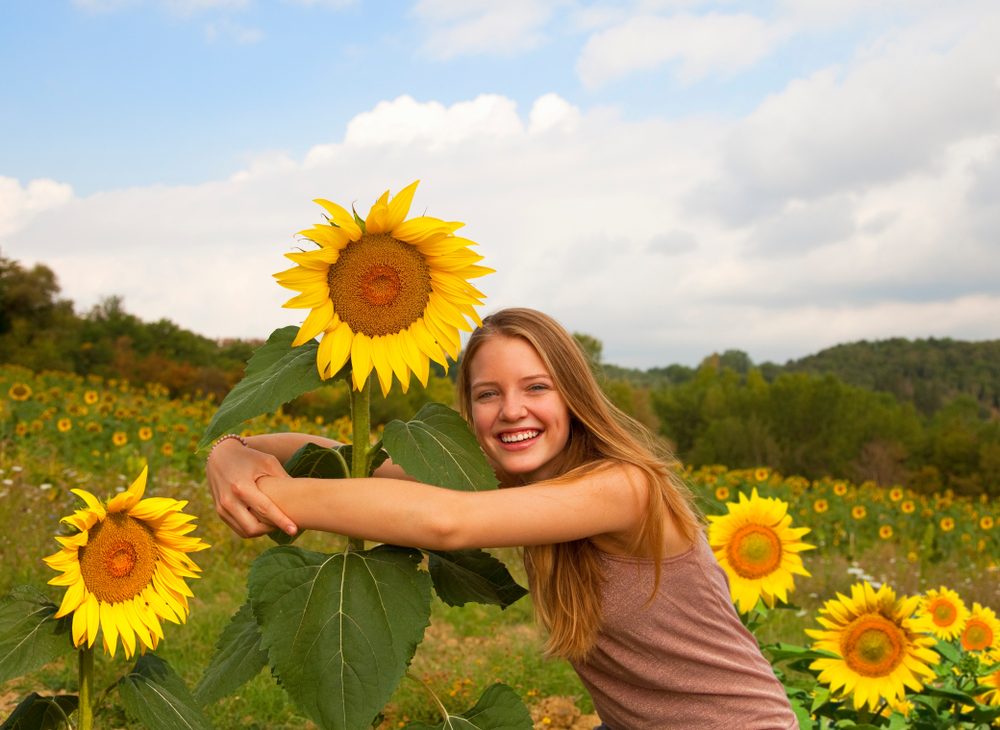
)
(519, 417)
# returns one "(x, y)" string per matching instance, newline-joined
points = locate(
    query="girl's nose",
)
(513, 409)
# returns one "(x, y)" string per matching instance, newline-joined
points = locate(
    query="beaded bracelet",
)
(224, 438)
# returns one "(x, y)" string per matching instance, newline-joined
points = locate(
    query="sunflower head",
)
(880, 648)
(982, 630)
(943, 613)
(759, 549)
(386, 293)
(124, 568)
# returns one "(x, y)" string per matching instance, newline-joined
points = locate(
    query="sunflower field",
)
(881, 612)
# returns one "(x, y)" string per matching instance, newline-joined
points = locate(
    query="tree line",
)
(924, 413)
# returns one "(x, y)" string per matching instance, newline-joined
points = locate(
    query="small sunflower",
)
(879, 646)
(124, 570)
(64, 425)
(944, 612)
(982, 629)
(820, 506)
(91, 397)
(859, 512)
(947, 524)
(992, 681)
(759, 549)
(908, 507)
(722, 493)
(885, 532)
(386, 293)
(145, 433)
(840, 489)
(19, 391)
(119, 438)
(896, 494)
(761, 474)
(986, 522)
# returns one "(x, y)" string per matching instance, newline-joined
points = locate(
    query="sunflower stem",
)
(361, 423)
(86, 708)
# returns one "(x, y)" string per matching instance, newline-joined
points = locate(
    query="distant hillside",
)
(928, 373)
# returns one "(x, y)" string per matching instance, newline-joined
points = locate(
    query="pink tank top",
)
(682, 661)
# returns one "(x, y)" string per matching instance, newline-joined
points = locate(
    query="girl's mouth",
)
(514, 437)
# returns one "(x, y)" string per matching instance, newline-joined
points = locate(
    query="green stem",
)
(361, 422)
(86, 709)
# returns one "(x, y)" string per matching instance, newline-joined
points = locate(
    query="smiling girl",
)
(619, 569)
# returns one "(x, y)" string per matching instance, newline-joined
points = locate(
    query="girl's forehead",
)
(506, 353)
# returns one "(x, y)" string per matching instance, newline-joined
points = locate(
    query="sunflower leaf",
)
(472, 576)
(340, 629)
(437, 447)
(321, 462)
(499, 708)
(158, 698)
(238, 658)
(36, 712)
(30, 637)
(274, 375)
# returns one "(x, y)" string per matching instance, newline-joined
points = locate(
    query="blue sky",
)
(675, 177)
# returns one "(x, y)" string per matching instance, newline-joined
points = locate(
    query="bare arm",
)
(609, 502)
(233, 470)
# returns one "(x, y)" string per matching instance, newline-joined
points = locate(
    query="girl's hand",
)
(233, 471)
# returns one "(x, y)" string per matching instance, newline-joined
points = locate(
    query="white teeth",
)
(511, 438)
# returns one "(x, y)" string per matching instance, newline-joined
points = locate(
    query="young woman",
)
(620, 572)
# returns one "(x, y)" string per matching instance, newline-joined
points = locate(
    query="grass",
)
(465, 650)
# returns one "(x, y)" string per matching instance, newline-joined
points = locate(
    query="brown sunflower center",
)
(754, 551)
(977, 635)
(119, 559)
(943, 613)
(873, 646)
(379, 285)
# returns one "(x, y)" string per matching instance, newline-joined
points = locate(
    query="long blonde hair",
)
(565, 578)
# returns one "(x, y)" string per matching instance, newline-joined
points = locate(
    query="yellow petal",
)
(413, 357)
(341, 218)
(316, 322)
(93, 618)
(109, 628)
(361, 359)
(378, 215)
(396, 360)
(400, 206)
(131, 496)
(380, 359)
(331, 239)
(75, 595)
(427, 343)
(334, 349)
(137, 624)
(92, 502)
(125, 629)
(423, 230)
(80, 626)
(309, 299)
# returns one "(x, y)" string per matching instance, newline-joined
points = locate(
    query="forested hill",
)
(928, 373)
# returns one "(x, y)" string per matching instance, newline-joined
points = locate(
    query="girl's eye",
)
(538, 386)
(485, 394)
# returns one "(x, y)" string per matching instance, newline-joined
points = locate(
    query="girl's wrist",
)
(221, 440)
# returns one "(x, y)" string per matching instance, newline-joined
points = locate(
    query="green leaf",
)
(463, 576)
(498, 709)
(437, 447)
(35, 712)
(275, 374)
(948, 651)
(158, 698)
(340, 629)
(317, 461)
(238, 658)
(30, 637)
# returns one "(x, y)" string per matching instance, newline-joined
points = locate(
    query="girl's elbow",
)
(447, 530)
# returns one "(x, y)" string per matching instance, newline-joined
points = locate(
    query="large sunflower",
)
(124, 570)
(879, 645)
(385, 292)
(944, 613)
(759, 549)
(982, 629)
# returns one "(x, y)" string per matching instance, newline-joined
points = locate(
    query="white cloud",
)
(473, 27)
(19, 204)
(699, 46)
(405, 121)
